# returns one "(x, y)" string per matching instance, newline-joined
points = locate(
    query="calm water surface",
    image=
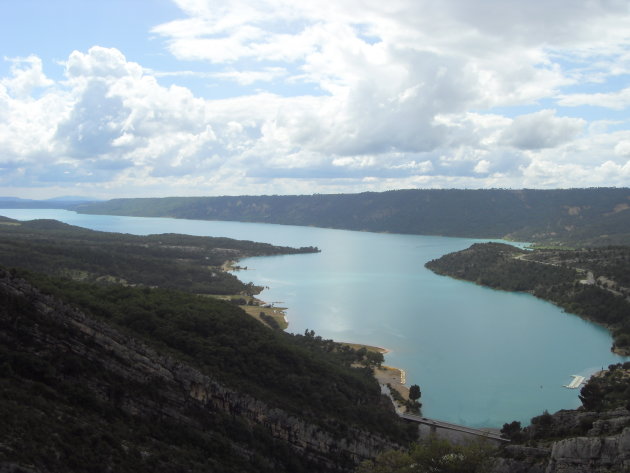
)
(481, 357)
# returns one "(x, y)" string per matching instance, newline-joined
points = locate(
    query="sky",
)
(139, 98)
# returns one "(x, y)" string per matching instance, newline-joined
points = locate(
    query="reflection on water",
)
(481, 357)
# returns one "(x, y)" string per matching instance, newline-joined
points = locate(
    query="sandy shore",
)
(385, 375)
(394, 377)
(229, 266)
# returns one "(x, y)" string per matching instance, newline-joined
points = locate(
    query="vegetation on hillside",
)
(604, 392)
(304, 374)
(183, 262)
(604, 413)
(142, 286)
(590, 282)
(609, 390)
(433, 455)
(597, 216)
(61, 412)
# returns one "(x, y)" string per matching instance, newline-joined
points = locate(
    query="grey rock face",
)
(177, 389)
(591, 454)
(604, 449)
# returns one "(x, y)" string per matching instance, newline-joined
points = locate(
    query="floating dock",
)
(576, 383)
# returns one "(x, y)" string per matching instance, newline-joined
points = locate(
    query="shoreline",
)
(623, 351)
(394, 377)
(385, 375)
(259, 306)
(374, 348)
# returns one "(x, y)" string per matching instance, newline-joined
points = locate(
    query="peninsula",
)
(593, 283)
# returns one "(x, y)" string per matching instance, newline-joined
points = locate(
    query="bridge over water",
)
(454, 432)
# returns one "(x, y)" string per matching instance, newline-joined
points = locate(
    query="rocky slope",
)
(603, 446)
(121, 403)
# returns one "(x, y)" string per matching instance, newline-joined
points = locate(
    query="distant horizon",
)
(94, 199)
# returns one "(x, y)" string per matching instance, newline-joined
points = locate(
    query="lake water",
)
(481, 357)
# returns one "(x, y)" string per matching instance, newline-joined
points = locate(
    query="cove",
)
(481, 357)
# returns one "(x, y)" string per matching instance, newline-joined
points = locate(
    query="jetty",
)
(576, 382)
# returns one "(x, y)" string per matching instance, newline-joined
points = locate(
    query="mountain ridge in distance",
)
(578, 217)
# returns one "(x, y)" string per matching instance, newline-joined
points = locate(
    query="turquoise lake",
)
(481, 357)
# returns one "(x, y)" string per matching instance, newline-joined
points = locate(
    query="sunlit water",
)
(481, 357)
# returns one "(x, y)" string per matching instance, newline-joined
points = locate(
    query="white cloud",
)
(27, 75)
(482, 167)
(622, 148)
(542, 130)
(404, 93)
(508, 47)
(619, 100)
(101, 63)
(268, 74)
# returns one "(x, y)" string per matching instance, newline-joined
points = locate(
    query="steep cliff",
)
(79, 395)
(575, 441)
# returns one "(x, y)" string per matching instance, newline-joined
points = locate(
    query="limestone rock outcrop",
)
(166, 386)
(603, 448)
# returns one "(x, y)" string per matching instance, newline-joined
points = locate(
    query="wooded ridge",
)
(585, 217)
(175, 261)
(592, 283)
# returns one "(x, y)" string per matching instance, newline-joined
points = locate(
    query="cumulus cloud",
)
(94, 122)
(510, 48)
(396, 94)
(542, 130)
(623, 148)
(27, 75)
(105, 118)
(101, 63)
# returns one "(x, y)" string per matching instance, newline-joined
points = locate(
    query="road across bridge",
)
(438, 424)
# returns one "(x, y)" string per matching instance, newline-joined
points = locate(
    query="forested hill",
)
(593, 283)
(113, 357)
(184, 262)
(106, 378)
(596, 216)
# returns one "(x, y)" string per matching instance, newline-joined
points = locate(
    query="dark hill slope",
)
(101, 379)
(184, 262)
(585, 216)
(98, 376)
